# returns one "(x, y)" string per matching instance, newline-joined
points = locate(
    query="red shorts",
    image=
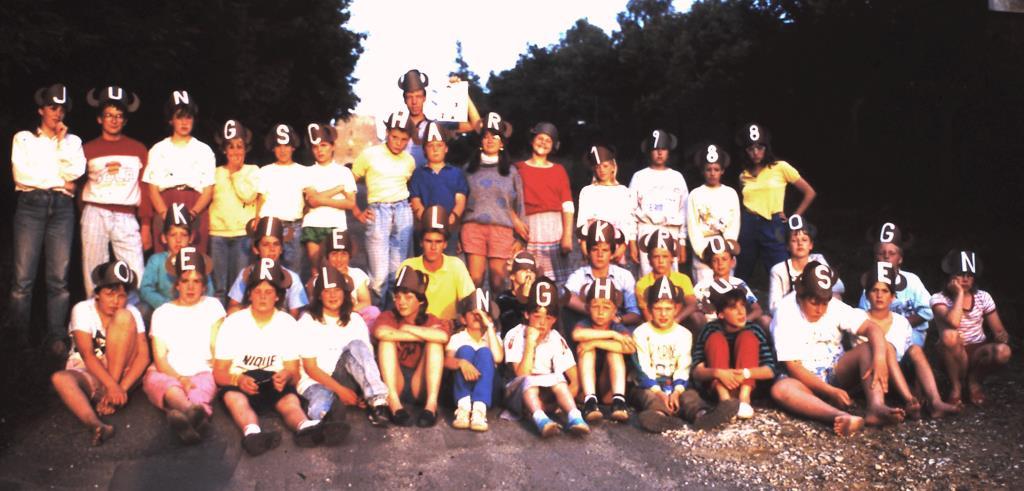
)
(491, 241)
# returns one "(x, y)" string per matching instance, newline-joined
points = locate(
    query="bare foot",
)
(884, 415)
(977, 396)
(913, 408)
(847, 424)
(940, 409)
(955, 396)
(101, 433)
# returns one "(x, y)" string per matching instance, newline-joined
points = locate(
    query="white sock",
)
(575, 414)
(539, 416)
(251, 430)
(465, 403)
(589, 397)
(307, 423)
(480, 406)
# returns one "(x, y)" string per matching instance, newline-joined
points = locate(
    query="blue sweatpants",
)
(483, 387)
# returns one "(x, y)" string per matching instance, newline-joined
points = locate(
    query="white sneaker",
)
(478, 420)
(461, 419)
(746, 411)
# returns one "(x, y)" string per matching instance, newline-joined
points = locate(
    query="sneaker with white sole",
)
(478, 420)
(461, 419)
(746, 411)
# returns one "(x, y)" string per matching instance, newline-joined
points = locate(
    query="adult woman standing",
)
(234, 205)
(494, 207)
(180, 169)
(764, 180)
(549, 207)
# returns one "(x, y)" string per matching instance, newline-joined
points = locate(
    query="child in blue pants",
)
(473, 354)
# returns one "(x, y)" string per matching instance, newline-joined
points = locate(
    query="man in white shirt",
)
(45, 165)
(808, 328)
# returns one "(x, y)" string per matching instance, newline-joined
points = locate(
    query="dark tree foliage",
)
(923, 95)
(261, 61)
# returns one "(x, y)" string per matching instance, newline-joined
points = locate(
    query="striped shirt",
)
(765, 353)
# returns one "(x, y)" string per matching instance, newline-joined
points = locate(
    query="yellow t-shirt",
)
(677, 279)
(228, 212)
(387, 175)
(765, 194)
(446, 286)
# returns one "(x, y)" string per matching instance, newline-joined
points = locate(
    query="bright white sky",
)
(404, 34)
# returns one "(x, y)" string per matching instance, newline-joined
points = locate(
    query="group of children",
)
(303, 332)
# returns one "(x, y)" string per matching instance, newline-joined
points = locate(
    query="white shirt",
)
(359, 278)
(782, 276)
(322, 177)
(191, 165)
(661, 197)
(711, 212)
(281, 187)
(817, 345)
(462, 338)
(663, 357)
(551, 355)
(899, 335)
(613, 204)
(251, 348)
(41, 162)
(187, 334)
(85, 318)
(327, 341)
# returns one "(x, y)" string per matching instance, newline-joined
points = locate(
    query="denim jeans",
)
(356, 370)
(294, 252)
(43, 221)
(387, 244)
(481, 389)
(230, 255)
(760, 239)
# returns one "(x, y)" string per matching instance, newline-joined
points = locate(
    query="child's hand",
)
(186, 383)
(522, 230)
(954, 286)
(840, 397)
(673, 400)
(533, 334)
(566, 244)
(280, 379)
(469, 372)
(626, 341)
(1001, 336)
(731, 379)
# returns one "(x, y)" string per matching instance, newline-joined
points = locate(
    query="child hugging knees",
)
(541, 358)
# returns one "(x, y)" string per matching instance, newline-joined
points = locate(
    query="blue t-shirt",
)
(438, 188)
(296, 293)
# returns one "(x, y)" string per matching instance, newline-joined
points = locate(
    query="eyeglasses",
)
(115, 117)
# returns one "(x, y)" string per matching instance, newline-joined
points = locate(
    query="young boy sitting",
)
(512, 302)
(721, 254)
(110, 351)
(473, 354)
(732, 353)
(157, 287)
(600, 241)
(663, 369)
(267, 244)
(660, 248)
(540, 359)
(808, 331)
(598, 335)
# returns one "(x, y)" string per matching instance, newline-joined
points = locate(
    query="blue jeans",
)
(356, 370)
(387, 244)
(43, 221)
(294, 252)
(230, 255)
(483, 387)
(760, 239)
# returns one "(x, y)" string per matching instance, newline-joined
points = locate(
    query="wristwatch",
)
(746, 374)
